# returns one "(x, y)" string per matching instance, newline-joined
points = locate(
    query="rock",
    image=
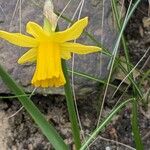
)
(93, 64)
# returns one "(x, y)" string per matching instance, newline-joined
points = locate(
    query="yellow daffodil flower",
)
(47, 49)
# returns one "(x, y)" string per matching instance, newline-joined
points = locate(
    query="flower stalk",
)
(71, 108)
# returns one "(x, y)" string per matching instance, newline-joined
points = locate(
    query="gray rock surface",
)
(92, 64)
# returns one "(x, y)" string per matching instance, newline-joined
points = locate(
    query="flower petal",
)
(29, 56)
(78, 48)
(19, 39)
(65, 54)
(34, 29)
(73, 32)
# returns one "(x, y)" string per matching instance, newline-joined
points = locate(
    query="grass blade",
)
(134, 121)
(104, 123)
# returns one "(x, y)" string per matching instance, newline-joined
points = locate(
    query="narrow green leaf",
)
(90, 77)
(135, 127)
(47, 129)
(13, 96)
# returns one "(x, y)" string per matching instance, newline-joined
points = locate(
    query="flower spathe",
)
(47, 48)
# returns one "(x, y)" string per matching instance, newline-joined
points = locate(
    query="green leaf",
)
(47, 129)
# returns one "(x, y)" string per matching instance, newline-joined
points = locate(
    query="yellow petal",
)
(78, 48)
(29, 56)
(34, 29)
(65, 54)
(19, 39)
(73, 32)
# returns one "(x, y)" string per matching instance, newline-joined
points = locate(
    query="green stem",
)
(47, 129)
(71, 108)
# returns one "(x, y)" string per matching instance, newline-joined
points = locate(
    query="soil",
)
(20, 133)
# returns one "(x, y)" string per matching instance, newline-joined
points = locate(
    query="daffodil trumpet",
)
(47, 48)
